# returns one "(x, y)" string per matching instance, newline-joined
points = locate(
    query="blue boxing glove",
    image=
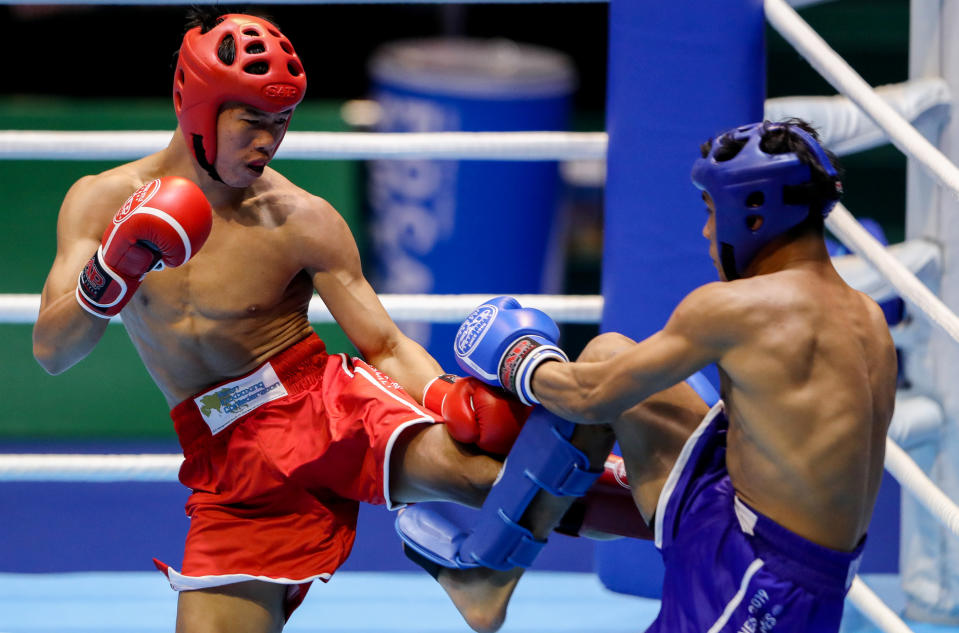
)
(502, 344)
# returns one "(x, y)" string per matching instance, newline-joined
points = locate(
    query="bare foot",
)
(481, 595)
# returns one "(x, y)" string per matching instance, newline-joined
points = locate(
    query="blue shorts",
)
(730, 569)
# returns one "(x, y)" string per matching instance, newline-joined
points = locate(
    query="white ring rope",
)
(159, 467)
(871, 606)
(455, 308)
(916, 255)
(840, 74)
(911, 477)
(512, 146)
(23, 308)
(164, 467)
(846, 228)
(845, 130)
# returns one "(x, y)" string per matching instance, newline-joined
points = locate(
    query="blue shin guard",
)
(541, 459)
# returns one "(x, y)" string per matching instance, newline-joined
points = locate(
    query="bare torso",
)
(809, 397)
(244, 295)
(240, 300)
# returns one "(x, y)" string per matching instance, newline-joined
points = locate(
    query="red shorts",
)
(278, 461)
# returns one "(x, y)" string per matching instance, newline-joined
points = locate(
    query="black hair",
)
(208, 16)
(729, 146)
(204, 16)
(777, 138)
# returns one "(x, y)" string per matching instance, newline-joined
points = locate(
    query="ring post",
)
(679, 72)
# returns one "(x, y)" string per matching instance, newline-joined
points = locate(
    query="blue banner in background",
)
(443, 227)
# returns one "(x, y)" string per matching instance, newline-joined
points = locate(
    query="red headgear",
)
(271, 79)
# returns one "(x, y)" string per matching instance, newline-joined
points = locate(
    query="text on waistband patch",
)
(222, 405)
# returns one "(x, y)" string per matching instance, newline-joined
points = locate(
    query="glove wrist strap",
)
(519, 362)
(101, 291)
(436, 391)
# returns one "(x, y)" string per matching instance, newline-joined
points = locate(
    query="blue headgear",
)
(778, 188)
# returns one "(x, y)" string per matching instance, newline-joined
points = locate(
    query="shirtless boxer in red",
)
(282, 440)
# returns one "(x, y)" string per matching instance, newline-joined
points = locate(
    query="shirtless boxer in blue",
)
(761, 509)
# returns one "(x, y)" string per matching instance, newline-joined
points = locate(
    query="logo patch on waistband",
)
(222, 405)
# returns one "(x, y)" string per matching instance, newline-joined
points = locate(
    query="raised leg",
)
(654, 431)
(482, 595)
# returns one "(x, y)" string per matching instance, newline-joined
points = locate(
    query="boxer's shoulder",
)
(743, 304)
(717, 309)
(308, 226)
(92, 200)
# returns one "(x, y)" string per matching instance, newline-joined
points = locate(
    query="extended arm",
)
(332, 260)
(474, 413)
(600, 392)
(698, 333)
(502, 343)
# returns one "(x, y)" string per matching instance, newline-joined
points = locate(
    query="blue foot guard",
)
(541, 459)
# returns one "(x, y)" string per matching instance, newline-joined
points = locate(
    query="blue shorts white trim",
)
(729, 569)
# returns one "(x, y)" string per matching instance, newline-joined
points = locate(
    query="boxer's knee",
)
(605, 346)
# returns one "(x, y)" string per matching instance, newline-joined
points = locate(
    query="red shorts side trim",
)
(277, 491)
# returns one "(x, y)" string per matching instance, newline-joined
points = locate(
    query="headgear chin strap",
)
(265, 73)
(758, 196)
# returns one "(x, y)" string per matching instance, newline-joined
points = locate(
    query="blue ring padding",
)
(677, 76)
(676, 79)
(703, 388)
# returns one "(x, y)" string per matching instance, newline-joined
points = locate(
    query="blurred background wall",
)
(105, 68)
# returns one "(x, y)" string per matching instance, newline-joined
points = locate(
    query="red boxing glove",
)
(614, 474)
(163, 223)
(476, 413)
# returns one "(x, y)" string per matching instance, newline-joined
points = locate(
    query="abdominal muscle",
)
(189, 345)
